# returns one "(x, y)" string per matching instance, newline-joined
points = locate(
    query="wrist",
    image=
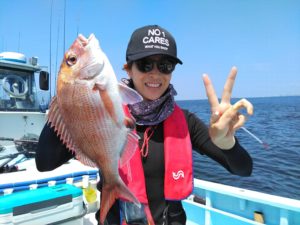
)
(225, 144)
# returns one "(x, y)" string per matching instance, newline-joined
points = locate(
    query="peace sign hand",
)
(225, 118)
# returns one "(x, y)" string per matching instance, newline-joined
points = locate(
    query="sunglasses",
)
(164, 65)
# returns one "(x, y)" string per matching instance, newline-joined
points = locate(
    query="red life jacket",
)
(178, 183)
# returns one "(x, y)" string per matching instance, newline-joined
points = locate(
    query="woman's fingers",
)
(243, 103)
(224, 115)
(210, 93)
(241, 119)
(227, 92)
(231, 114)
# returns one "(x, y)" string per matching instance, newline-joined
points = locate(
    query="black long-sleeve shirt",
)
(51, 153)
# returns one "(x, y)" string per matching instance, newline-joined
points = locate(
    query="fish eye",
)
(71, 59)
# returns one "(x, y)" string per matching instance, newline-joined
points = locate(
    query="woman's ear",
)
(127, 69)
(125, 66)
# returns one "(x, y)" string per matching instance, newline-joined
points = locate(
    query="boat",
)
(217, 204)
(210, 204)
(22, 116)
(24, 99)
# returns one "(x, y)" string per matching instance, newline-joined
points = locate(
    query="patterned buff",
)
(153, 112)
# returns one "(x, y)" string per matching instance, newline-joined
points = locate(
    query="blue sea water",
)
(276, 170)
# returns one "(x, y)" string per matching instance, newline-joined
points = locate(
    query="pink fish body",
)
(87, 113)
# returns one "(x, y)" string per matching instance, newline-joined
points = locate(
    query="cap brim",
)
(146, 54)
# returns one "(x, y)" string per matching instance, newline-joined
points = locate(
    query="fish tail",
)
(110, 193)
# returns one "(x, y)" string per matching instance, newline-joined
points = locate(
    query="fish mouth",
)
(94, 63)
(85, 41)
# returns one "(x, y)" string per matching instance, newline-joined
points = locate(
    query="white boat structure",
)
(28, 196)
(62, 196)
(217, 204)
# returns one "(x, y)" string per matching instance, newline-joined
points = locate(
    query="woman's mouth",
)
(153, 85)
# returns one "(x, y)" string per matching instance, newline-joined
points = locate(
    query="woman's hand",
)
(225, 118)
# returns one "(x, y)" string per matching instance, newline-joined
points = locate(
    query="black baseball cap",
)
(151, 40)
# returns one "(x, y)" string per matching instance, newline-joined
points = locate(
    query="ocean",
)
(276, 170)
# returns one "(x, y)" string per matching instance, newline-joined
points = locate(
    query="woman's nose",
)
(155, 69)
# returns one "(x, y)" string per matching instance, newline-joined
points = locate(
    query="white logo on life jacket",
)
(177, 175)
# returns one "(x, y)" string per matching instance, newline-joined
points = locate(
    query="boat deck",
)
(210, 204)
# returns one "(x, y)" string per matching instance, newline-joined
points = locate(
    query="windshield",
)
(17, 90)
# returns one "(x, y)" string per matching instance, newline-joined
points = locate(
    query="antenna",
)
(2, 43)
(77, 28)
(64, 49)
(78, 21)
(50, 52)
(264, 144)
(19, 41)
(56, 53)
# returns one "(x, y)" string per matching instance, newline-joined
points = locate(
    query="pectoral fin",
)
(107, 101)
(129, 122)
(128, 95)
(130, 148)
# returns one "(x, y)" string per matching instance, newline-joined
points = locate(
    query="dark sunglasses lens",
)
(144, 65)
(166, 66)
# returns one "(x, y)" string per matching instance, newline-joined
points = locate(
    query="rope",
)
(147, 136)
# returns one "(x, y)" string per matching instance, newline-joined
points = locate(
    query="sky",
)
(260, 37)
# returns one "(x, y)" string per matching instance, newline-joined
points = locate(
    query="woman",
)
(161, 173)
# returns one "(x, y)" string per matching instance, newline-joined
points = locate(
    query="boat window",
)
(17, 91)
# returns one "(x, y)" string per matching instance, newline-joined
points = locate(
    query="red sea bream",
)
(87, 113)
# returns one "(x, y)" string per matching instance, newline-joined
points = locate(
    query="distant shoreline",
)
(280, 96)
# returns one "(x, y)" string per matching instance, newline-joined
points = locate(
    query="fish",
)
(87, 114)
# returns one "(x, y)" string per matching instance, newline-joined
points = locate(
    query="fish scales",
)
(90, 123)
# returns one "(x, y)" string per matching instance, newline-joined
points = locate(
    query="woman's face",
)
(152, 84)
